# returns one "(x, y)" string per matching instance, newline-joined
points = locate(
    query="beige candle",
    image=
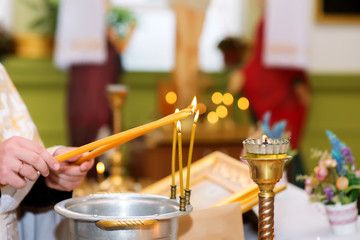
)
(191, 151)
(180, 159)
(173, 154)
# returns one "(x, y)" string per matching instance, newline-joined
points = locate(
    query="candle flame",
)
(264, 139)
(178, 126)
(193, 105)
(196, 116)
(177, 110)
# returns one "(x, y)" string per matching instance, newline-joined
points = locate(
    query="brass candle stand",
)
(266, 159)
(115, 183)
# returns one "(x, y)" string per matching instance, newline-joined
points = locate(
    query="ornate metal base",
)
(187, 196)
(182, 204)
(173, 192)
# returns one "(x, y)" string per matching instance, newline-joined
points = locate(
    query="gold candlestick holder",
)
(266, 159)
(115, 183)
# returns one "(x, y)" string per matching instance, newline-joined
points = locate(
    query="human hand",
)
(69, 176)
(22, 158)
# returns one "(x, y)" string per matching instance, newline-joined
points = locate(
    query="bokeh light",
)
(100, 167)
(202, 108)
(212, 117)
(171, 97)
(228, 99)
(221, 111)
(243, 103)
(217, 98)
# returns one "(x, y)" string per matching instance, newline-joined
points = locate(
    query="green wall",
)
(335, 103)
(335, 106)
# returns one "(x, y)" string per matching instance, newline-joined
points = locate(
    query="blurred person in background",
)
(86, 46)
(282, 90)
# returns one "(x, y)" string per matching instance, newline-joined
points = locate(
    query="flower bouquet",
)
(335, 182)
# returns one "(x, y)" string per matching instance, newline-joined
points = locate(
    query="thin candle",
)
(180, 159)
(191, 151)
(173, 155)
(119, 138)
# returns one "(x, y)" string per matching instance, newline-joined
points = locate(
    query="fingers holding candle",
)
(102, 145)
(68, 176)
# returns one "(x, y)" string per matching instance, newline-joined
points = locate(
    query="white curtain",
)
(287, 25)
(81, 32)
(6, 14)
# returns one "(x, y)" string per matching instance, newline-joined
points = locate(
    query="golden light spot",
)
(243, 103)
(217, 98)
(228, 99)
(171, 97)
(202, 108)
(221, 111)
(100, 167)
(212, 117)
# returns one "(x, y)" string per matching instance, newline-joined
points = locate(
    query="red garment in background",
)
(88, 107)
(272, 89)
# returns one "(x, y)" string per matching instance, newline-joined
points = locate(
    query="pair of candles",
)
(177, 136)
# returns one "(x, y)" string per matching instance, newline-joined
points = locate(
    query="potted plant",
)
(335, 183)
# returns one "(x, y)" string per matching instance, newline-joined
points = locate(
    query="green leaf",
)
(348, 189)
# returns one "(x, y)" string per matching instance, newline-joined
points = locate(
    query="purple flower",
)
(347, 155)
(328, 191)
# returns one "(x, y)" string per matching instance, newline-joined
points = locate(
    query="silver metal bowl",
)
(122, 216)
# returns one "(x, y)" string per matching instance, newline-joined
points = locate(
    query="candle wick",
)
(265, 142)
